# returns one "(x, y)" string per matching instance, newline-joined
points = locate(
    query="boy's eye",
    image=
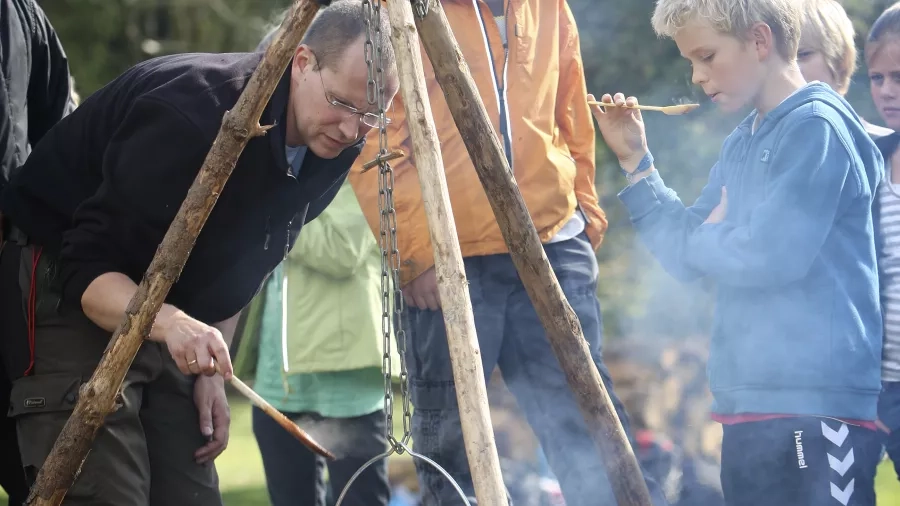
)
(804, 54)
(876, 78)
(708, 58)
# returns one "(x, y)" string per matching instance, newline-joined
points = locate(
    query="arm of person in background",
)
(573, 114)
(49, 85)
(338, 241)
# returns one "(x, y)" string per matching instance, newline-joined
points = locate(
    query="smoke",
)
(341, 436)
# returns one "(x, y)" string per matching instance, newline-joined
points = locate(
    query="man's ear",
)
(760, 35)
(304, 59)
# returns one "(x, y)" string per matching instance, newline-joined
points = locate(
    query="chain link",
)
(420, 7)
(391, 296)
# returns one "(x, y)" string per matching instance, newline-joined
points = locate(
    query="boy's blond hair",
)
(826, 28)
(734, 17)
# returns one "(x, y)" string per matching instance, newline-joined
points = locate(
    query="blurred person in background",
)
(827, 51)
(316, 330)
(882, 53)
(35, 95)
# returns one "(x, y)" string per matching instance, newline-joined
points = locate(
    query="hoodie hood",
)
(816, 95)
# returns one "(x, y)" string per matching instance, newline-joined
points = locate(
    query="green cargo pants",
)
(143, 454)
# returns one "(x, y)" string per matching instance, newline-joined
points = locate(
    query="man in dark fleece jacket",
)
(93, 202)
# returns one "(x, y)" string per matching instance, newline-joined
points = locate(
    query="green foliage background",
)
(621, 53)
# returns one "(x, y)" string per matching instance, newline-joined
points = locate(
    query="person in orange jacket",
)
(525, 58)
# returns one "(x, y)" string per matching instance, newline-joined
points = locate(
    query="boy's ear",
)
(760, 35)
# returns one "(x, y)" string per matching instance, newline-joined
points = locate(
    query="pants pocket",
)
(115, 472)
(40, 405)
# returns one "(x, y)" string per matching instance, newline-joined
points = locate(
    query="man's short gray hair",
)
(335, 27)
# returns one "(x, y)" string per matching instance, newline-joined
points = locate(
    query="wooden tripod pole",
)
(527, 252)
(453, 288)
(97, 398)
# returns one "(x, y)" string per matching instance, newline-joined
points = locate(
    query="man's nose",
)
(350, 127)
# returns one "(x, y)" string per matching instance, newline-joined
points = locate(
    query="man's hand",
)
(215, 416)
(193, 344)
(422, 292)
(718, 214)
(622, 129)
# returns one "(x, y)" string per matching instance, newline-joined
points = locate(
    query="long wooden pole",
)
(97, 398)
(465, 353)
(527, 252)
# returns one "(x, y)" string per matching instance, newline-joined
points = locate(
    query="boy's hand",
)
(718, 214)
(622, 129)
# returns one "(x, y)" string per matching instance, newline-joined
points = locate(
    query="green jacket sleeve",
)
(338, 241)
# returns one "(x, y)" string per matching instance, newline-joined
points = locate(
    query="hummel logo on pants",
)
(801, 461)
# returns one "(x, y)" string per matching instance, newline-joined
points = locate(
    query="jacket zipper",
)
(501, 84)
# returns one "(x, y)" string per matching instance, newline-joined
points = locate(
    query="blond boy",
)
(784, 227)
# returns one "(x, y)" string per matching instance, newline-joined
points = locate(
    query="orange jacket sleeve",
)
(575, 122)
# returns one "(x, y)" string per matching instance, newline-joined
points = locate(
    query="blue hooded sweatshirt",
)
(797, 327)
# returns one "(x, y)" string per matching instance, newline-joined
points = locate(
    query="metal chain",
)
(420, 7)
(391, 295)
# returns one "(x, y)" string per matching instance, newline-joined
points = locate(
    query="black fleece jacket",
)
(104, 184)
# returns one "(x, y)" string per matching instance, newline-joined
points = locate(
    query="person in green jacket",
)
(314, 336)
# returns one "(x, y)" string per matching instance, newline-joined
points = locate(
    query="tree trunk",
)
(97, 398)
(465, 355)
(527, 252)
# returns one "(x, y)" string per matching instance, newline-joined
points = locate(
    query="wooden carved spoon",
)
(671, 110)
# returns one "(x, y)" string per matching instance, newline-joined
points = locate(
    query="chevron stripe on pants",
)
(801, 461)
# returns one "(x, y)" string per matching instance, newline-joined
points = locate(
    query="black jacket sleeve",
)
(49, 87)
(148, 167)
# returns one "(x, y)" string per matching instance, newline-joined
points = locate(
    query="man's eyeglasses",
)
(369, 119)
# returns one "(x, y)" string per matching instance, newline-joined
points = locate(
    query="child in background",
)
(827, 50)
(882, 54)
(784, 226)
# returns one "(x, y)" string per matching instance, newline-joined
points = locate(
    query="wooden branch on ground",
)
(527, 252)
(453, 288)
(97, 398)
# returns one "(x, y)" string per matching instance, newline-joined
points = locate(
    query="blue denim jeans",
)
(512, 338)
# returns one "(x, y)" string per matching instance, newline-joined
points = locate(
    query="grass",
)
(243, 482)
